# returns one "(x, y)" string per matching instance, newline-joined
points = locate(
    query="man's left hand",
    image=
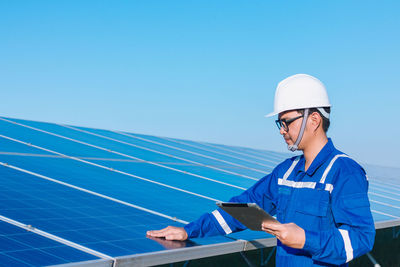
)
(289, 234)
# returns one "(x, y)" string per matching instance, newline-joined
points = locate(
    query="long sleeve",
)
(354, 233)
(219, 222)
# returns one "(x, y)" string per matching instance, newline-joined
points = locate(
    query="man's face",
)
(293, 128)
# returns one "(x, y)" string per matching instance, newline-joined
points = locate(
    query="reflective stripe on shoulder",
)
(289, 171)
(222, 222)
(322, 181)
(347, 244)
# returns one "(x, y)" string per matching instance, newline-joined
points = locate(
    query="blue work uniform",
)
(329, 201)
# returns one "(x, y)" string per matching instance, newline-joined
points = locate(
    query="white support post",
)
(374, 262)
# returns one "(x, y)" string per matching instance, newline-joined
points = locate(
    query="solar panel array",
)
(74, 194)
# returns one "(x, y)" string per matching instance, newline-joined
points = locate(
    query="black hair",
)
(325, 121)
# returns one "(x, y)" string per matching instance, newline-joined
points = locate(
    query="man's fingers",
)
(274, 229)
(174, 236)
(159, 234)
(289, 234)
(153, 232)
(169, 233)
(269, 231)
(164, 230)
(274, 233)
(272, 226)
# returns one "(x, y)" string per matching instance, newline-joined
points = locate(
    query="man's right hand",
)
(170, 233)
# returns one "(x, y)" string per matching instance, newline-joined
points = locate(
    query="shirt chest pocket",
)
(284, 195)
(312, 209)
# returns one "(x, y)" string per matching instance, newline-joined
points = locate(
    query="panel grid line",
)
(165, 154)
(192, 152)
(96, 158)
(222, 153)
(118, 153)
(385, 183)
(110, 169)
(385, 204)
(386, 214)
(279, 158)
(94, 193)
(210, 157)
(384, 196)
(56, 238)
(375, 184)
(386, 191)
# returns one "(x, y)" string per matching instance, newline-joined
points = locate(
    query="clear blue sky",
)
(204, 70)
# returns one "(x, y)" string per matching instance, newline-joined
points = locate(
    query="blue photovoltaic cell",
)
(385, 174)
(183, 165)
(119, 186)
(164, 175)
(144, 154)
(116, 229)
(51, 142)
(19, 247)
(96, 223)
(246, 160)
(238, 161)
(16, 148)
(101, 142)
(249, 172)
(376, 204)
(259, 153)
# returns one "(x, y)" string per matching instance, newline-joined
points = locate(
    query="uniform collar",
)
(320, 159)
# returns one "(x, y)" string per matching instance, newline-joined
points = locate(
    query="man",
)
(320, 198)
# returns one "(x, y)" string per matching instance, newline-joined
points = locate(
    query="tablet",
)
(249, 214)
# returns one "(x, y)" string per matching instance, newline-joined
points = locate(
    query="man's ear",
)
(316, 120)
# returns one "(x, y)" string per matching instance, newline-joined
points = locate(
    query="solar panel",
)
(76, 194)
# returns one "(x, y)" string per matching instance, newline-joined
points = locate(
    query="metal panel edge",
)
(260, 243)
(91, 263)
(177, 255)
(387, 224)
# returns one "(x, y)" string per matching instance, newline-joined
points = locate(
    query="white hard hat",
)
(299, 91)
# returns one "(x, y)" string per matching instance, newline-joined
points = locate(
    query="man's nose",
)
(282, 131)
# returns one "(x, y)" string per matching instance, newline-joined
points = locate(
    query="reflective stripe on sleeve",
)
(222, 222)
(347, 244)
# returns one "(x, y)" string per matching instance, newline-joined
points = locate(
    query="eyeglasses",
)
(285, 123)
